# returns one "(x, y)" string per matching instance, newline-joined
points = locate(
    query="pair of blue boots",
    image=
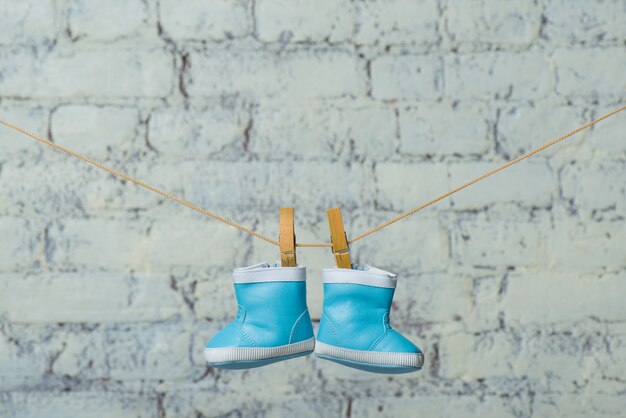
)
(273, 322)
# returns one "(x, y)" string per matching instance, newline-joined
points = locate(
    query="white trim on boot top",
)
(364, 274)
(234, 354)
(375, 358)
(263, 272)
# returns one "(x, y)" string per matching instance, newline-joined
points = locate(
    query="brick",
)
(417, 77)
(83, 353)
(196, 132)
(606, 140)
(423, 297)
(403, 186)
(561, 361)
(261, 186)
(509, 76)
(275, 385)
(93, 297)
(594, 185)
(31, 117)
(201, 183)
(586, 246)
(402, 22)
(576, 79)
(491, 22)
(96, 131)
(485, 295)
(215, 297)
(303, 21)
(216, 20)
(109, 245)
(433, 406)
(294, 74)
(416, 245)
(323, 132)
(19, 359)
(175, 242)
(125, 352)
(274, 404)
(101, 72)
(575, 22)
(427, 130)
(21, 247)
(27, 22)
(187, 402)
(165, 176)
(106, 21)
(614, 365)
(469, 357)
(306, 406)
(498, 243)
(578, 405)
(88, 404)
(541, 298)
(144, 351)
(523, 128)
(60, 186)
(527, 183)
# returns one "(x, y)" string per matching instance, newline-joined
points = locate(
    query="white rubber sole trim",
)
(231, 354)
(370, 357)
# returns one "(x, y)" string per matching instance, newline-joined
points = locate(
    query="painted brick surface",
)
(38, 16)
(215, 20)
(87, 20)
(303, 20)
(516, 76)
(487, 22)
(513, 288)
(258, 73)
(397, 22)
(426, 130)
(396, 77)
(103, 72)
(86, 129)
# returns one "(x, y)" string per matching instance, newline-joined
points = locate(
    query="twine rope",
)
(309, 244)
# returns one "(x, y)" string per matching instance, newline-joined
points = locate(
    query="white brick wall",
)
(397, 22)
(95, 72)
(289, 74)
(106, 21)
(216, 20)
(303, 20)
(406, 77)
(513, 288)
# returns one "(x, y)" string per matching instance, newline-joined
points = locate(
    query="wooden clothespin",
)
(339, 239)
(287, 239)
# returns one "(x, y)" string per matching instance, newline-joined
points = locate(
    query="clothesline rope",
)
(487, 174)
(310, 244)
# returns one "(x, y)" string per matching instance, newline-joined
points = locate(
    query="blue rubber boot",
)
(272, 324)
(354, 328)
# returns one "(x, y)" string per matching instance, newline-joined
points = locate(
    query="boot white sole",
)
(220, 356)
(373, 361)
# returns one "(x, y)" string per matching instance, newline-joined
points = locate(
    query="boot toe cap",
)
(394, 342)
